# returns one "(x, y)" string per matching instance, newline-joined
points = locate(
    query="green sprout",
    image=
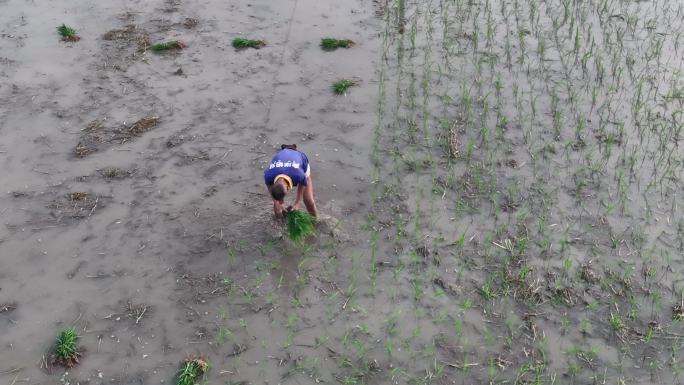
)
(241, 43)
(331, 44)
(191, 371)
(168, 45)
(66, 347)
(67, 33)
(341, 86)
(300, 225)
(616, 322)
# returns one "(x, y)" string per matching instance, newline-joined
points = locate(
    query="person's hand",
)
(295, 206)
(278, 209)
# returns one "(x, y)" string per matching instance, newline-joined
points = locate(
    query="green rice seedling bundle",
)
(341, 86)
(66, 347)
(168, 45)
(300, 225)
(331, 44)
(241, 43)
(191, 371)
(67, 33)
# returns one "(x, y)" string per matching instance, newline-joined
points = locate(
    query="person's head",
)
(288, 146)
(281, 185)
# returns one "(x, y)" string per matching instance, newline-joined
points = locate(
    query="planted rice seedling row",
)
(572, 119)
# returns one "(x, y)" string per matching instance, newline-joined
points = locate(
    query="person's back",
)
(289, 168)
(288, 162)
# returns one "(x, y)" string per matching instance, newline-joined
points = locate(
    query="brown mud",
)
(134, 206)
(499, 193)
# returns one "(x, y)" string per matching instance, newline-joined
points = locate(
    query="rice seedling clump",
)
(191, 371)
(168, 45)
(241, 43)
(341, 86)
(66, 347)
(331, 44)
(300, 225)
(67, 33)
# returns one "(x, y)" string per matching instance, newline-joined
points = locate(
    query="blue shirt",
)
(289, 162)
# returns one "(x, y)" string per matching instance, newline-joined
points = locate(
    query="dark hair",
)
(277, 191)
(288, 146)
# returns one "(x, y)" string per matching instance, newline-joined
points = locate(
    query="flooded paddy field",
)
(499, 191)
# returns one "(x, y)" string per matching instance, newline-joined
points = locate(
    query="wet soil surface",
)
(134, 205)
(499, 191)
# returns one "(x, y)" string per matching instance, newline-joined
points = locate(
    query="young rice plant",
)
(241, 43)
(168, 45)
(66, 347)
(331, 44)
(341, 86)
(191, 371)
(300, 225)
(67, 33)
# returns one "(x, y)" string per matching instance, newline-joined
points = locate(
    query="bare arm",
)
(300, 196)
(277, 207)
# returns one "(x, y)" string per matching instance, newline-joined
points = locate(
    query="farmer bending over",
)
(289, 168)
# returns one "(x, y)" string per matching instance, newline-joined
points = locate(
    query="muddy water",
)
(529, 168)
(151, 267)
(500, 192)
